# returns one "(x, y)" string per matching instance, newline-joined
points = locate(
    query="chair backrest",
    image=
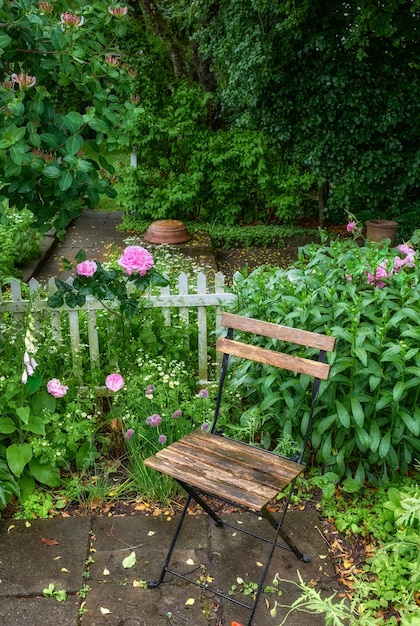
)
(318, 369)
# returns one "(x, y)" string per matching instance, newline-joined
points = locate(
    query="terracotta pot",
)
(377, 230)
(166, 231)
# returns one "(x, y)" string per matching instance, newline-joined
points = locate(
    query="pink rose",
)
(351, 226)
(405, 249)
(86, 268)
(114, 382)
(136, 259)
(56, 389)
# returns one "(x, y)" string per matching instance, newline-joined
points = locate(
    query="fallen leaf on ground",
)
(105, 611)
(49, 542)
(190, 602)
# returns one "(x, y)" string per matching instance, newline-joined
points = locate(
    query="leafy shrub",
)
(19, 242)
(367, 423)
(186, 169)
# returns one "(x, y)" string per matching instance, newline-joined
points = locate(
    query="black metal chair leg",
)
(152, 584)
(280, 531)
(194, 495)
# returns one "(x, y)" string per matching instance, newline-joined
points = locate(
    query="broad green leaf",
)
(51, 171)
(7, 425)
(18, 455)
(45, 473)
(66, 180)
(35, 425)
(5, 40)
(74, 144)
(58, 39)
(411, 422)
(375, 436)
(362, 439)
(23, 413)
(73, 121)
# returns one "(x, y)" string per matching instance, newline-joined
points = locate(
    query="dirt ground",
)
(230, 261)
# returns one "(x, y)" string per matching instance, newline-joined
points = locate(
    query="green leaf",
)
(18, 455)
(375, 436)
(362, 439)
(398, 390)
(51, 171)
(43, 401)
(412, 423)
(357, 411)
(5, 40)
(73, 121)
(351, 486)
(385, 444)
(45, 474)
(7, 425)
(66, 180)
(343, 414)
(58, 39)
(35, 425)
(129, 560)
(23, 413)
(74, 144)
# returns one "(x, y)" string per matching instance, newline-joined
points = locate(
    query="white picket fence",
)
(199, 295)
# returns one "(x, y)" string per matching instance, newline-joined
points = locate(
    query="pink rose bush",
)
(136, 259)
(114, 382)
(86, 268)
(56, 389)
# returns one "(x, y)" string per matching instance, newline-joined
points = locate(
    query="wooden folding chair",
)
(246, 476)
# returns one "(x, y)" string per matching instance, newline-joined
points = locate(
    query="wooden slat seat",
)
(241, 474)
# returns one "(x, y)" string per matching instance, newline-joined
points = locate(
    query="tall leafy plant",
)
(367, 424)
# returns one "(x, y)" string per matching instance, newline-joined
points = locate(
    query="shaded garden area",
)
(252, 122)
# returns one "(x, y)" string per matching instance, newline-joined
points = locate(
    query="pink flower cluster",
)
(383, 271)
(86, 268)
(56, 389)
(136, 259)
(118, 12)
(24, 81)
(71, 20)
(154, 420)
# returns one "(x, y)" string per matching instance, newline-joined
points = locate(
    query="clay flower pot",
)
(377, 230)
(166, 231)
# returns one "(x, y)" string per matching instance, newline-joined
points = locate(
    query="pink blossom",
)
(56, 389)
(112, 61)
(86, 268)
(162, 439)
(46, 7)
(136, 259)
(114, 382)
(203, 393)
(349, 277)
(118, 12)
(24, 377)
(351, 226)
(154, 420)
(71, 20)
(381, 272)
(176, 414)
(24, 81)
(129, 433)
(405, 248)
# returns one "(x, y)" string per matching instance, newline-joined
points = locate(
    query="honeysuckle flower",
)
(112, 61)
(25, 81)
(118, 12)
(162, 439)
(114, 382)
(129, 433)
(86, 268)
(135, 99)
(136, 259)
(71, 20)
(45, 7)
(154, 420)
(351, 226)
(7, 84)
(56, 389)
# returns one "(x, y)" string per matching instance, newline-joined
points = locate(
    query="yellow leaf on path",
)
(189, 562)
(259, 564)
(28, 524)
(105, 572)
(11, 527)
(190, 602)
(105, 611)
(151, 533)
(64, 570)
